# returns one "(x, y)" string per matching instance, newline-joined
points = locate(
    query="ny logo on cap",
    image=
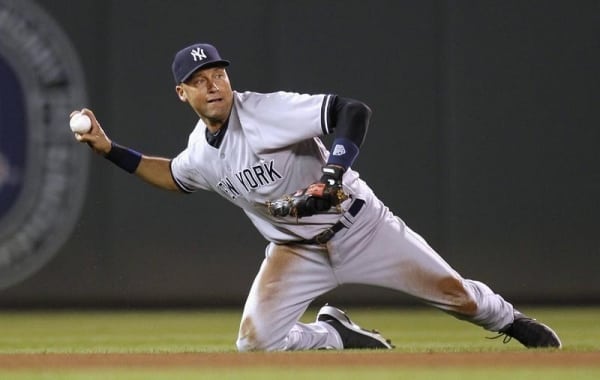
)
(198, 54)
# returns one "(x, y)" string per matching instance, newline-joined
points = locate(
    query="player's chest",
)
(236, 172)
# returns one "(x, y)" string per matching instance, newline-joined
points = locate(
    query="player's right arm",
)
(154, 170)
(157, 171)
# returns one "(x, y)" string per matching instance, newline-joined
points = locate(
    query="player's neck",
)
(214, 129)
(214, 126)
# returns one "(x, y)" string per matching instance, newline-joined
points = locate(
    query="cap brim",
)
(207, 65)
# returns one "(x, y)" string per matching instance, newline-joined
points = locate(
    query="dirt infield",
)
(299, 359)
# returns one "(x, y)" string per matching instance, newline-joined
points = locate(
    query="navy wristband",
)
(343, 152)
(125, 158)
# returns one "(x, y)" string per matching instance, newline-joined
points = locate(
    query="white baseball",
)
(80, 123)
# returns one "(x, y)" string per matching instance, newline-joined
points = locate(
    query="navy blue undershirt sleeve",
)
(350, 122)
(350, 119)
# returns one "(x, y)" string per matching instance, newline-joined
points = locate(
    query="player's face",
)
(209, 93)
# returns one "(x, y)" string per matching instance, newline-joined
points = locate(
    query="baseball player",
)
(257, 150)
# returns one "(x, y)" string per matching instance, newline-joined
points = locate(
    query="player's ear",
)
(180, 93)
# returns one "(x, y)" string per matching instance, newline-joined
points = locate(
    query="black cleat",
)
(531, 333)
(353, 336)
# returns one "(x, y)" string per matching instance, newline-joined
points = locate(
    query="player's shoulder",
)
(198, 134)
(256, 98)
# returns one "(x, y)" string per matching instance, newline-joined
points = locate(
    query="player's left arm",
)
(349, 119)
(350, 122)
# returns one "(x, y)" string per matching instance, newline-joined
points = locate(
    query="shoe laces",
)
(505, 337)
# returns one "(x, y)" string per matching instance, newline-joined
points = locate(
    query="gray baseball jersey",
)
(271, 148)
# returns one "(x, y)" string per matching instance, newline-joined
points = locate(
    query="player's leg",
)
(394, 256)
(289, 279)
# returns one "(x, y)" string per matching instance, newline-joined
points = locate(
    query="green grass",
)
(425, 330)
(319, 374)
(412, 330)
(118, 332)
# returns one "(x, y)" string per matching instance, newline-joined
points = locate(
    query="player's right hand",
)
(96, 138)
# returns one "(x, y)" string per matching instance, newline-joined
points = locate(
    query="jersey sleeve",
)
(185, 171)
(279, 119)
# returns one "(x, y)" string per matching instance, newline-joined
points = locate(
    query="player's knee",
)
(462, 300)
(246, 340)
(468, 307)
(247, 344)
(243, 345)
(249, 339)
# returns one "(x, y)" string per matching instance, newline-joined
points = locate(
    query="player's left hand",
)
(317, 198)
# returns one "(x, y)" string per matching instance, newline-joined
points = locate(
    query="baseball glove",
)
(317, 198)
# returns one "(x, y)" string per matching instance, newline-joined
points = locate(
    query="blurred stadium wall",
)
(484, 140)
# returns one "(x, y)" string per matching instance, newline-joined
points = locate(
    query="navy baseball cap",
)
(195, 57)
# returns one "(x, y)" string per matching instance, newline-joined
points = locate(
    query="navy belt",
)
(326, 235)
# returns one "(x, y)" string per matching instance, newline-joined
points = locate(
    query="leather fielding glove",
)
(317, 198)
